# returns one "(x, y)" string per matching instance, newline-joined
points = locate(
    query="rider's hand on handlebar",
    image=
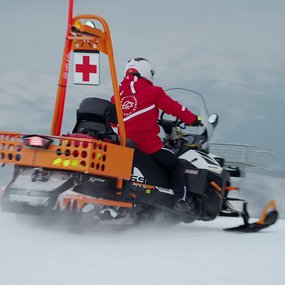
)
(197, 122)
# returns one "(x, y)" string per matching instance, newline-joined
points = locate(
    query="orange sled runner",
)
(93, 174)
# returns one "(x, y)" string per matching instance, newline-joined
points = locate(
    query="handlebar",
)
(167, 125)
(176, 139)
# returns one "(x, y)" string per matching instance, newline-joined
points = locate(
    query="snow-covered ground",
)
(199, 253)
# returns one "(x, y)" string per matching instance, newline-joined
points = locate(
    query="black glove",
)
(197, 122)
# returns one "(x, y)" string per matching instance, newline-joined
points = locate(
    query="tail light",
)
(36, 141)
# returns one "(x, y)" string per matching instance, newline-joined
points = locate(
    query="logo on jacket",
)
(129, 105)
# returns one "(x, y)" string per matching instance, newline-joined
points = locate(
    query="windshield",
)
(194, 102)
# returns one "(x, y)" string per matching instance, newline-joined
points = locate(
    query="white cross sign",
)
(86, 68)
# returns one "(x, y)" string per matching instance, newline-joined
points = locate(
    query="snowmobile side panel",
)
(149, 194)
(146, 170)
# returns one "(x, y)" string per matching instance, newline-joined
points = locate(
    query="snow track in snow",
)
(200, 253)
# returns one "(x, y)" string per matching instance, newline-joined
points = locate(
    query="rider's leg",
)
(172, 164)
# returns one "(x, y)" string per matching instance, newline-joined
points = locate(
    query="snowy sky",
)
(233, 52)
(230, 51)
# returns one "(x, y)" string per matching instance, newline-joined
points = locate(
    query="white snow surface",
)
(198, 253)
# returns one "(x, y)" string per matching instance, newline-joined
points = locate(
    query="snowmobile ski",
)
(267, 219)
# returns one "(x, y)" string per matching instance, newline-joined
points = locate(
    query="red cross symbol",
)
(86, 68)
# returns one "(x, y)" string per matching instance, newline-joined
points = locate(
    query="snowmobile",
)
(95, 174)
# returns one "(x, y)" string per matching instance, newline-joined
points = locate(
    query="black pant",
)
(175, 169)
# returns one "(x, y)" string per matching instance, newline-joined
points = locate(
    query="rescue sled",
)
(95, 174)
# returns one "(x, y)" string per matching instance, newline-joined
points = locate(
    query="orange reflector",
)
(232, 188)
(213, 183)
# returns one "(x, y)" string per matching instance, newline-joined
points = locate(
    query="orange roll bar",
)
(101, 39)
(91, 39)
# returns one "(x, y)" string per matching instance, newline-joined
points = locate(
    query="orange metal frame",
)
(69, 153)
(78, 201)
(89, 39)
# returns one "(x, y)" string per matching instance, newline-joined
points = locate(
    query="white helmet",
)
(141, 66)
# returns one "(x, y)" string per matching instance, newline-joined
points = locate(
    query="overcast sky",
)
(233, 52)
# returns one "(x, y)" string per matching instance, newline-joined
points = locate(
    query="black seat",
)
(94, 117)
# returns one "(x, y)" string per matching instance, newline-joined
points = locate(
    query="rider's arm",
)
(174, 108)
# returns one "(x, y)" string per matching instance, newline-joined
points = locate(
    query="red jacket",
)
(141, 101)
